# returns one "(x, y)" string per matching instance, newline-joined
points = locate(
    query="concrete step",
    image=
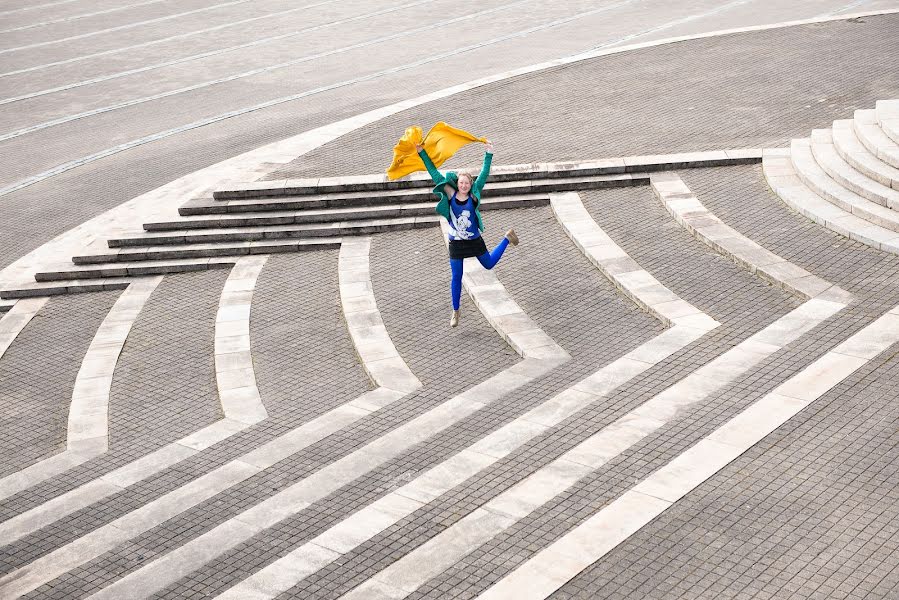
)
(297, 198)
(58, 288)
(854, 152)
(136, 269)
(196, 251)
(328, 215)
(888, 118)
(498, 174)
(816, 179)
(6, 306)
(843, 173)
(251, 234)
(784, 180)
(875, 140)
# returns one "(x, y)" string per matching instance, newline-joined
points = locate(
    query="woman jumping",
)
(459, 201)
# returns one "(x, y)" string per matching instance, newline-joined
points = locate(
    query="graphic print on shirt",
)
(462, 225)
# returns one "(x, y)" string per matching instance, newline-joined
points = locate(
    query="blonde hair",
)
(461, 174)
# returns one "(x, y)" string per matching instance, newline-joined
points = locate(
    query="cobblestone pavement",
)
(808, 512)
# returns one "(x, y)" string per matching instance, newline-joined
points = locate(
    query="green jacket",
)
(451, 178)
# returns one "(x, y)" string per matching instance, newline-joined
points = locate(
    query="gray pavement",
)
(808, 512)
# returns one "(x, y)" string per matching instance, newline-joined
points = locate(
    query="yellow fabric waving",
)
(441, 143)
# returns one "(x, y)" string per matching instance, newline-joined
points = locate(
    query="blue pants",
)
(488, 260)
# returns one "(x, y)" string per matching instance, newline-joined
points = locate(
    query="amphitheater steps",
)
(869, 133)
(845, 178)
(854, 152)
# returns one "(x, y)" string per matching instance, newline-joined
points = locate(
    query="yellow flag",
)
(441, 143)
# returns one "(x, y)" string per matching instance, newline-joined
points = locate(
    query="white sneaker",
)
(454, 320)
(512, 237)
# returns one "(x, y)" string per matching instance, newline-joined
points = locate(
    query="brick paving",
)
(47, 354)
(808, 512)
(151, 404)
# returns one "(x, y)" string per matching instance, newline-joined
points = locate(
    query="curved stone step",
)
(499, 173)
(195, 251)
(366, 187)
(58, 288)
(251, 234)
(888, 118)
(854, 152)
(783, 179)
(875, 140)
(330, 215)
(136, 269)
(843, 173)
(819, 182)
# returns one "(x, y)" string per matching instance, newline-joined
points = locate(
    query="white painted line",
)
(88, 431)
(176, 37)
(385, 512)
(123, 27)
(258, 71)
(354, 285)
(689, 212)
(81, 16)
(590, 541)
(638, 285)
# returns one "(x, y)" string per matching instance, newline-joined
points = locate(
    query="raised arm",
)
(485, 170)
(433, 172)
(429, 164)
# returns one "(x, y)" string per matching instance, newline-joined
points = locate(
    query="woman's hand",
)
(418, 147)
(489, 146)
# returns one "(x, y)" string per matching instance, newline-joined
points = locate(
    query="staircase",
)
(266, 217)
(845, 178)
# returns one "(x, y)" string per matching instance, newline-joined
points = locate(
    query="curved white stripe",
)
(235, 113)
(558, 563)
(388, 510)
(81, 16)
(221, 50)
(176, 37)
(235, 376)
(266, 69)
(88, 434)
(541, 355)
(380, 359)
(635, 282)
(235, 381)
(14, 321)
(689, 212)
(123, 27)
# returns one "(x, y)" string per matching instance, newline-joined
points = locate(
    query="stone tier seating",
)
(266, 217)
(846, 178)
